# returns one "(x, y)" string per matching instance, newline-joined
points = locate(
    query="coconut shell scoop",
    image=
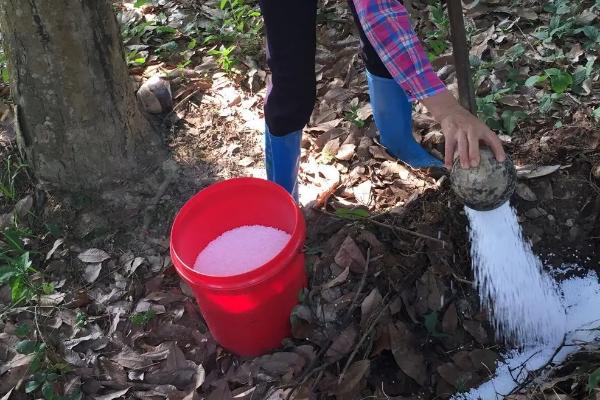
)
(487, 186)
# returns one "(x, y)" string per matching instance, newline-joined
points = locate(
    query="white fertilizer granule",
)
(523, 301)
(546, 321)
(581, 299)
(241, 250)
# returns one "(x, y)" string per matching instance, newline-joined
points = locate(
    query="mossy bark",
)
(79, 121)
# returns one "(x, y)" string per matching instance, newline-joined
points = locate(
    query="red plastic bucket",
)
(248, 314)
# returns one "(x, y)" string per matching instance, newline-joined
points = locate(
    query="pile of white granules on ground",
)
(527, 307)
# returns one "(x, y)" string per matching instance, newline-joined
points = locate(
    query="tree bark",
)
(78, 118)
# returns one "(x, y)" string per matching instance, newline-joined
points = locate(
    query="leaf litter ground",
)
(390, 311)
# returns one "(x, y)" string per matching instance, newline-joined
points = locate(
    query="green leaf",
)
(6, 274)
(36, 363)
(139, 3)
(547, 102)
(590, 31)
(589, 66)
(13, 237)
(48, 391)
(596, 112)
(76, 395)
(431, 323)
(553, 71)
(534, 80)
(142, 318)
(52, 377)
(510, 119)
(561, 82)
(47, 287)
(541, 34)
(18, 290)
(487, 110)
(22, 330)
(580, 75)
(32, 386)
(347, 213)
(515, 52)
(593, 380)
(26, 346)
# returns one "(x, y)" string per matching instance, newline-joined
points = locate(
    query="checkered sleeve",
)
(387, 26)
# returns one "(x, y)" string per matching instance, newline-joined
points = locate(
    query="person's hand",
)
(463, 132)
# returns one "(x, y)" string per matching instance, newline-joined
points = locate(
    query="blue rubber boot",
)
(282, 159)
(392, 112)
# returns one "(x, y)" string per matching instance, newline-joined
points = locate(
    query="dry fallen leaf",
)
(93, 256)
(129, 358)
(534, 171)
(353, 377)
(404, 348)
(455, 376)
(51, 300)
(279, 364)
(380, 153)
(91, 272)
(362, 192)
(133, 265)
(279, 394)
(430, 294)
(345, 152)
(350, 256)
(246, 161)
(394, 168)
(450, 320)
(475, 329)
(23, 206)
(331, 147)
(364, 112)
(484, 360)
(338, 280)
(342, 344)
(221, 391)
(324, 126)
(112, 395)
(369, 307)
(55, 247)
(176, 370)
(525, 192)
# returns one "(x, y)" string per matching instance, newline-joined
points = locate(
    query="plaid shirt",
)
(387, 25)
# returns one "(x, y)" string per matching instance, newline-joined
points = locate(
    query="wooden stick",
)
(460, 50)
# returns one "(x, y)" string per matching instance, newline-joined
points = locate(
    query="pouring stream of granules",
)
(523, 301)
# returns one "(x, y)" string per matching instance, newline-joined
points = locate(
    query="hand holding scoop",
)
(486, 186)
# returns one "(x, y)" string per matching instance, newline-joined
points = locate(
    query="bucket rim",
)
(254, 276)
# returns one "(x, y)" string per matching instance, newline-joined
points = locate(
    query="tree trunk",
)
(78, 118)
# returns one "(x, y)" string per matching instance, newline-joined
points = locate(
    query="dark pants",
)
(291, 44)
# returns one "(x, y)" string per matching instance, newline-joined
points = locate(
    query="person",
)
(398, 73)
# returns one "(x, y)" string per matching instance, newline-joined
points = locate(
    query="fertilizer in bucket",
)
(238, 244)
(241, 250)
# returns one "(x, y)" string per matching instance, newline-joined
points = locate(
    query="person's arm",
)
(387, 26)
